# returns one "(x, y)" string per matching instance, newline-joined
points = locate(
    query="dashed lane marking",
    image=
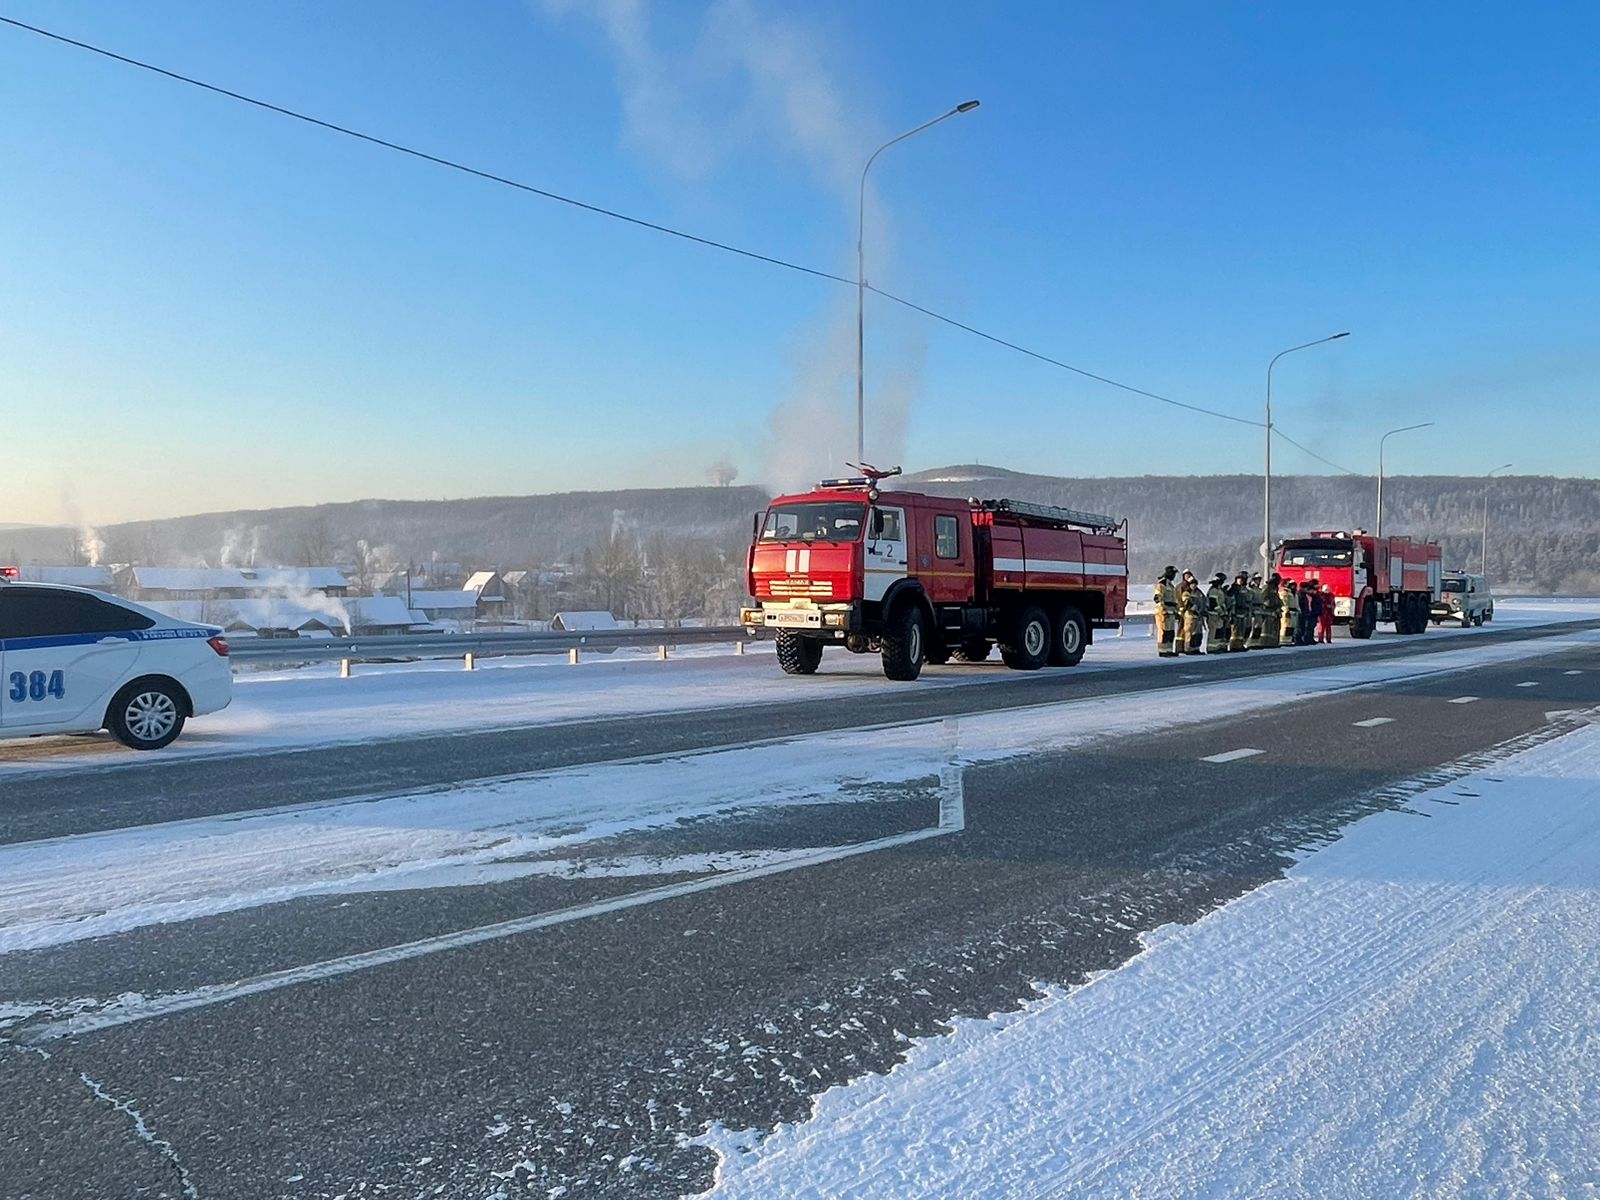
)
(1373, 722)
(1464, 700)
(1529, 683)
(1572, 672)
(1232, 755)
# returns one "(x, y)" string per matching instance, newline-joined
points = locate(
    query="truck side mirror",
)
(875, 526)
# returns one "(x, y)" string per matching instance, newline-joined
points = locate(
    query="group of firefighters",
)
(1247, 614)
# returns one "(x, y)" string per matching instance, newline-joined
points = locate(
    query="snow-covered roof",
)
(276, 614)
(89, 577)
(517, 578)
(479, 581)
(189, 579)
(380, 612)
(239, 579)
(294, 579)
(460, 601)
(574, 621)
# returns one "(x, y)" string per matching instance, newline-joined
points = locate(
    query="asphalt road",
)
(149, 789)
(583, 1055)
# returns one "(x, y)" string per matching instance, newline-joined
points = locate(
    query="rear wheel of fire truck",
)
(1029, 646)
(1364, 622)
(798, 655)
(1070, 637)
(973, 650)
(903, 643)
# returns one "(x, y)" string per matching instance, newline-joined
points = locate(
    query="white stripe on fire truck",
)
(1045, 566)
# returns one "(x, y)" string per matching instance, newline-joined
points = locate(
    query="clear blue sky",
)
(204, 306)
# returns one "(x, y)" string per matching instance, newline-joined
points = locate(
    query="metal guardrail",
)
(471, 645)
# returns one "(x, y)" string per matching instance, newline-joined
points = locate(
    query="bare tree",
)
(367, 561)
(316, 545)
(76, 550)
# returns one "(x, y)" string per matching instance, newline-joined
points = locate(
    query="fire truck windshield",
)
(1324, 552)
(819, 521)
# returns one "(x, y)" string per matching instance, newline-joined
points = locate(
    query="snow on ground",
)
(313, 707)
(1411, 1012)
(66, 889)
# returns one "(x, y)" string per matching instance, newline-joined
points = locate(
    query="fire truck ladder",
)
(1049, 512)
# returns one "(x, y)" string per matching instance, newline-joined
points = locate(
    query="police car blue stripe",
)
(52, 641)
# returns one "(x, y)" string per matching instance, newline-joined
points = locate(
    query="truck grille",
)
(801, 586)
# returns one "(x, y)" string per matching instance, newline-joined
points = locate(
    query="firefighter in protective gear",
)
(1197, 603)
(1217, 615)
(1239, 613)
(1253, 638)
(1290, 614)
(1167, 617)
(1191, 606)
(1272, 614)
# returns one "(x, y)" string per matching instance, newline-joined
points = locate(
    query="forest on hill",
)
(1544, 532)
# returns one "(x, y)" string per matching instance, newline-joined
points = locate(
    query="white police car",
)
(74, 661)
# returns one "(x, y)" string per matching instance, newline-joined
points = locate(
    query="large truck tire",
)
(798, 655)
(903, 643)
(973, 650)
(1364, 622)
(1069, 638)
(1028, 647)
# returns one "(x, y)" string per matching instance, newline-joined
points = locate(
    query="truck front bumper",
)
(794, 616)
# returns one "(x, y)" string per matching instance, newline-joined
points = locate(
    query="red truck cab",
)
(1372, 579)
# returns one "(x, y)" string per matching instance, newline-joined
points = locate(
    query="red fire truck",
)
(1373, 578)
(920, 578)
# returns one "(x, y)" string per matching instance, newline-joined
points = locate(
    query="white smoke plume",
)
(240, 547)
(92, 544)
(759, 79)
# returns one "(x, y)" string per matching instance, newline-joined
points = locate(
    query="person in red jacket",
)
(1325, 617)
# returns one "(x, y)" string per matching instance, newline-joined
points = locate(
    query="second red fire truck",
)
(919, 578)
(1373, 579)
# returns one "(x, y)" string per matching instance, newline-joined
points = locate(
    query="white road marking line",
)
(1373, 722)
(1572, 672)
(1529, 683)
(1231, 756)
(1465, 700)
(952, 819)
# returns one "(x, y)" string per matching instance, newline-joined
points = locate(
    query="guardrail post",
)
(572, 656)
(738, 647)
(344, 668)
(661, 653)
(472, 661)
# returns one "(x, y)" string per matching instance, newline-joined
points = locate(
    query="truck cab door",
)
(885, 550)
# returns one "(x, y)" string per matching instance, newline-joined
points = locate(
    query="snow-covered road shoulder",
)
(1410, 1012)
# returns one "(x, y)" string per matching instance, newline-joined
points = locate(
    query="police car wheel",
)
(147, 715)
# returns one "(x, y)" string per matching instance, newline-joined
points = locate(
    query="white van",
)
(1465, 598)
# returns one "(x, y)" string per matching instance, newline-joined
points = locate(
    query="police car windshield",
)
(1316, 554)
(820, 521)
(1455, 585)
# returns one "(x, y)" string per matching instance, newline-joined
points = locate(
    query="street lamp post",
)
(861, 274)
(1483, 552)
(1266, 500)
(1381, 441)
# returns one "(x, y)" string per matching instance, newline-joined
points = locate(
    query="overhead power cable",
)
(426, 157)
(1311, 452)
(640, 222)
(1056, 362)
